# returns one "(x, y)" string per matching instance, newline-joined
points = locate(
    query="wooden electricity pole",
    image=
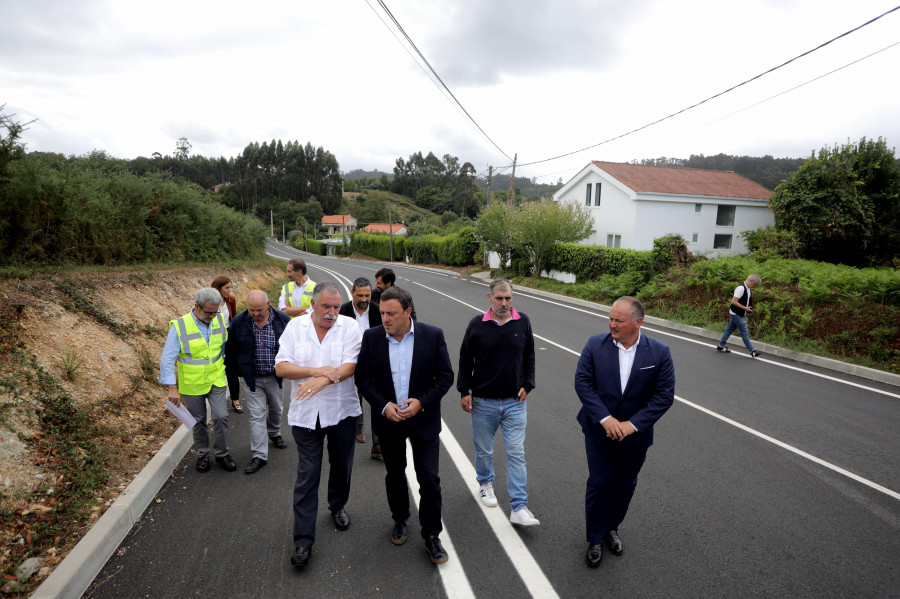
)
(512, 181)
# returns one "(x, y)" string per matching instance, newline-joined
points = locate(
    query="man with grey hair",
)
(195, 348)
(318, 354)
(741, 305)
(626, 382)
(496, 374)
(253, 342)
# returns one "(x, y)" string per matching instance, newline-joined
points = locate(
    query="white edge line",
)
(791, 448)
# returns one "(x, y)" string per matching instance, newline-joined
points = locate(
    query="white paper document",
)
(182, 413)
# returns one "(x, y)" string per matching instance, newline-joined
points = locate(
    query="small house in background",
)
(633, 204)
(339, 224)
(399, 228)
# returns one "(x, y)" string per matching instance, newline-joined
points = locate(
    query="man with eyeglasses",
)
(195, 349)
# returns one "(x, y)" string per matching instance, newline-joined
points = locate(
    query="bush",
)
(767, 242)
(378, 245)
(310, 245)
(589, 263)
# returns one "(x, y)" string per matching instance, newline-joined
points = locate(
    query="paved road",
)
(768, 479)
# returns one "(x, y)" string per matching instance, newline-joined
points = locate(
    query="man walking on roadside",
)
(250, 351)
(404, 371)
(496, 374)
(741, 305)
(318, 354)
(296, 294)
(195, 348)
(367, 315)
(626, 382)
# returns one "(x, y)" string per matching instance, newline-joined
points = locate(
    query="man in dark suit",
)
(404, 371)
(367, 315)
(626, 382)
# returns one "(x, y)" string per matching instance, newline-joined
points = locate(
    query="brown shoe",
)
(227, 463)
(376, 452)
(361, 437)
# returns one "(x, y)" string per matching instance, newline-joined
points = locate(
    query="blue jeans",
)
(512, 416)
(738, 323)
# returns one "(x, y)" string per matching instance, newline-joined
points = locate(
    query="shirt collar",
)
(412, 327)
(489, 315)
(633, 347)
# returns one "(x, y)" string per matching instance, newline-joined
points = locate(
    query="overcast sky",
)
(541, 78)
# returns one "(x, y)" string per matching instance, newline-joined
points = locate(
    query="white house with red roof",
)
(398, 228)
(634, 204)
(338, 222)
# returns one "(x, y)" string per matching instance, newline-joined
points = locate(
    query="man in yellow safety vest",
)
(296, 294)
(195, 350)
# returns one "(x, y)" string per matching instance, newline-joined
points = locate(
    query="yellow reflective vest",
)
(305, 299)
(200, 365)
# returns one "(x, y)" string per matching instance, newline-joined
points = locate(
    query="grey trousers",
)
(196, 405)
(266, 405)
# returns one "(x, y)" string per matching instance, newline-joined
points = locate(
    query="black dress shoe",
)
(278, 442)
(436, 550)
(594, 555)
(398, 535)
(614, 542)
(341, 519)
(238, 408)
(227, 463)
(376, 452)
(301, 556)
(203, 464)
(255, 464)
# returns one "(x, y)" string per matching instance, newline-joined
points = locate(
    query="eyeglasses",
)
(207, 312)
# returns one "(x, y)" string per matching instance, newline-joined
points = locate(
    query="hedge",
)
(590, 262)
(378, 245)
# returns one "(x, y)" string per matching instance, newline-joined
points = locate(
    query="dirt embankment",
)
(80, 410)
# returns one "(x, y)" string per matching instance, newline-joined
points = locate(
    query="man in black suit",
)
(626, 382)
(404, 371)
(367, 315)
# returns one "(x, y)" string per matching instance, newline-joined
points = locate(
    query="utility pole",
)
(343, 234)
(512, 182)
(271, 225)
(391, 228)
(484, 261)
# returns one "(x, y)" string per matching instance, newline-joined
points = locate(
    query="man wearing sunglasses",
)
(195, 349)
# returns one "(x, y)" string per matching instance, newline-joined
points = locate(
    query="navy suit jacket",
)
(347, 309)
(649, 392)
(430, 378)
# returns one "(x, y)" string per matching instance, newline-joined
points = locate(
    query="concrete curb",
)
(78, 570)
(766, 348)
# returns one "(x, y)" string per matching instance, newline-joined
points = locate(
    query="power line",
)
(436, 76)
(732, 88)
(805, 83)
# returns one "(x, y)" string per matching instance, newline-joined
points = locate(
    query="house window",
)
(613, 241)
(725, 216)
(722, 242)
(597, 195)
(698, 208)
(695, 237)
(587, 196)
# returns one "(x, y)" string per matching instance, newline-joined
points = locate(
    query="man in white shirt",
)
(741, 305)
(318, 355)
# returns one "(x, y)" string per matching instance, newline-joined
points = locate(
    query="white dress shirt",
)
(300, 346)
(362, 319)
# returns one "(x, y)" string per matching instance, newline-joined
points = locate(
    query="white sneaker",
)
(487, 495)
(524, 517)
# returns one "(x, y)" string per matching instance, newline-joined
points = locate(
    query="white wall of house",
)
(614, 216)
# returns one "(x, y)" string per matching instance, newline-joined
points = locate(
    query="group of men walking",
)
(338, 354)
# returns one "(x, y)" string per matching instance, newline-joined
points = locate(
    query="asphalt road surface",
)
(767, 478)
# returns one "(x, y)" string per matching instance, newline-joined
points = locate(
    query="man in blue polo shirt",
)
(496, 374)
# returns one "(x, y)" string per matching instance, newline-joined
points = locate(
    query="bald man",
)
(251, 348)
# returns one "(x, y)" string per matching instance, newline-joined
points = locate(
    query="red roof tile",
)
(684, 181)
(382, 227)
(336, 219)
